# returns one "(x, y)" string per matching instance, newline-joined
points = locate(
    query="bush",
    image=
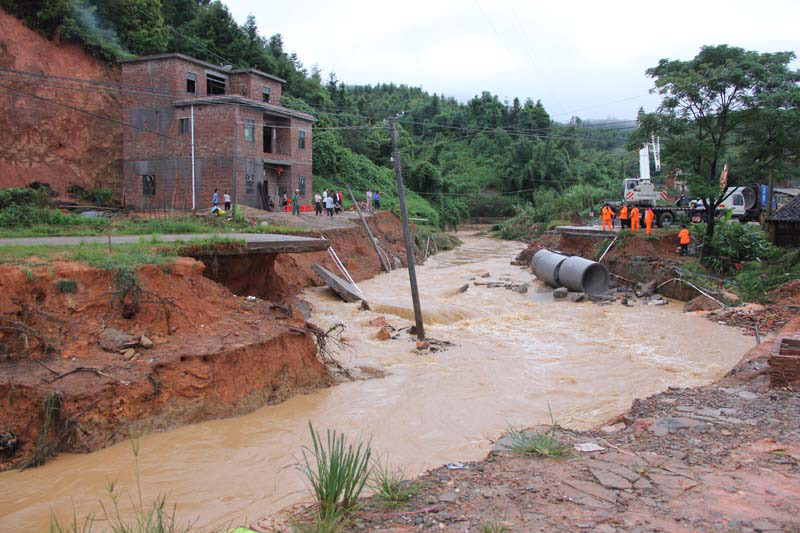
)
(491, 205)
(14, 196)
(67, 286)
(95, 196)
(732, 243)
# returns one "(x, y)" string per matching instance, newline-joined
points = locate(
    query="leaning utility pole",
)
(412, 273)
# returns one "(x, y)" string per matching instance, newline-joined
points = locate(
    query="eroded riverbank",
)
(514, 354)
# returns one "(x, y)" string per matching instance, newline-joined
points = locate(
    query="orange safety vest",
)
(684, 237)
(623, 213)
(648, 216)
(635, 213)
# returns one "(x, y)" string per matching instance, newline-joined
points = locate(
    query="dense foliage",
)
(461, 159)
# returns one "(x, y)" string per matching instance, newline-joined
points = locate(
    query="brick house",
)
(245, 141)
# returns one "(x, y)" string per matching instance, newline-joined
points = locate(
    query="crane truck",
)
(643, 193)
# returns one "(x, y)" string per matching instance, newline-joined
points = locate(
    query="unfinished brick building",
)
(244, 140)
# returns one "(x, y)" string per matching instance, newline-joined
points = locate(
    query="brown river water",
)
(514, 355)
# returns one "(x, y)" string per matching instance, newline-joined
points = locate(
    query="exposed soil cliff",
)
(212, 354)
(45, 137)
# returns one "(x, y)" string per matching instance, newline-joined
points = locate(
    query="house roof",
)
(788, 213)
(199, 62)
(791, 191)
(246, 102)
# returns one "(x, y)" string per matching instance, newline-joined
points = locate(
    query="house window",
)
(301, 185)
(148, 185)
(265, 94)
(215, 84)
(301, 139)
(191, 83)
(249, 184)
(183, 126)
(249, 128)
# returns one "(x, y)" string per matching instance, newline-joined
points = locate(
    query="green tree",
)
(139, 24)
(713, 107)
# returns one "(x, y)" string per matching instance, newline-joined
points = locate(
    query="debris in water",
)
(456, 466)
(251, 298)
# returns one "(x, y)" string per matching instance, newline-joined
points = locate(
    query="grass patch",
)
(67, 286)
(337, 472)
(494, 527)
(543, 444)
(391, 485)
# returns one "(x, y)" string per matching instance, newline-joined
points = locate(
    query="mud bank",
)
(723, 457)
(207, 354)
(631, 259)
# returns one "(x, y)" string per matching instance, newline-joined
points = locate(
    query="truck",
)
(641, 192)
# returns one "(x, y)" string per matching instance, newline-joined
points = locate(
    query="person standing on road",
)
(368, 207)
(318, 204)
(605, 215)
(227, 199)
(684, 238)
(623, 217)
(648, 221)
(329, 205)
(215, 202)
(296, 202)
(376, 200)
(635, 219)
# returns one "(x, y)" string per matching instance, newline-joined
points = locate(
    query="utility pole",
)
(412, 273)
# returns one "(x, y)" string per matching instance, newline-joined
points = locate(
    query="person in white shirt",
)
(369, 200)
(318, 204)
(329, 204)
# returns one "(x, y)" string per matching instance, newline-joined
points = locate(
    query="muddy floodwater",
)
(514, 354)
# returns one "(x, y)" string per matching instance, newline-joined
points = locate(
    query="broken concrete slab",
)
(609, 479)
(346, 290)
(577, 297)
(666, 425)
(560, 292)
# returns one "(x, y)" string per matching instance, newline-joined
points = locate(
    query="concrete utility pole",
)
(412, 273)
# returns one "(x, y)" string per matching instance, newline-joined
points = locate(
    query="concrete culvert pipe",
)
(579, 274)
(545, 265)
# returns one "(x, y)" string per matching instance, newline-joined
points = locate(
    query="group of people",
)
(632, 219)
(331, 201)
(628, 219)
(373, 200)
(226, 198)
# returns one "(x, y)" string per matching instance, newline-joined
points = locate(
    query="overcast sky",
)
(584, 58)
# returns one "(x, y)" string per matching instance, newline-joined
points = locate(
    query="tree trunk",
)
(711, 219)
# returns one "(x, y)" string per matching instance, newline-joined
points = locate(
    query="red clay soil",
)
(214, 355)
(724, 457)
(47, 142)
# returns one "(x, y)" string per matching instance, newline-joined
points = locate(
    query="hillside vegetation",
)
(485, 157)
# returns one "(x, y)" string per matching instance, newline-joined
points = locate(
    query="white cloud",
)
(573, 55)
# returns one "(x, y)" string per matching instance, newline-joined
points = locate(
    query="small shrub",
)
(30, 274)
(336, 471)
(391, 485)
(537, 444)
(67, 286)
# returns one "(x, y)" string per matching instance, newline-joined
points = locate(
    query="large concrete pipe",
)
(579, 274)
(574, 273)
(545, 265)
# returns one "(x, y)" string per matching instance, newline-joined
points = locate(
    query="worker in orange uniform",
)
(605, 214)
(648, 221)
(635, 219)
(623, 217)
(684, 238)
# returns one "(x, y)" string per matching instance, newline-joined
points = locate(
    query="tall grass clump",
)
(337, 472)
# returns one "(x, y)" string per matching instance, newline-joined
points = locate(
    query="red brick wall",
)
(252, 85)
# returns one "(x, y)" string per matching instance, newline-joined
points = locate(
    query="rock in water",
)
(384, 334)
(577, 297)
(463, 288)
(560, 292)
